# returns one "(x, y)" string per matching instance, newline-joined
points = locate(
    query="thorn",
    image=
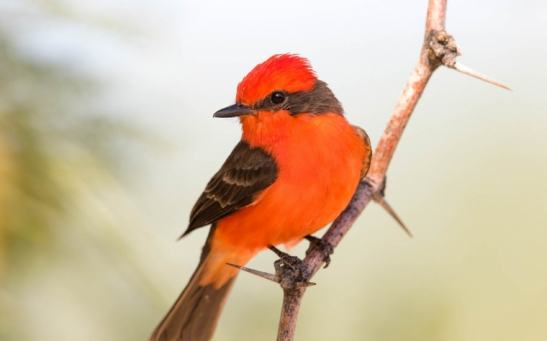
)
(382, 201)
(304, 284)
(464, 69)
(264, 275)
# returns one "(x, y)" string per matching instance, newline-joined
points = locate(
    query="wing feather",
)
(245, 174)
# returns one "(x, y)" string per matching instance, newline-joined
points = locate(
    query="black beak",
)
(234, 110)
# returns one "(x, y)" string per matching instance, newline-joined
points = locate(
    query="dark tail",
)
(195, 314)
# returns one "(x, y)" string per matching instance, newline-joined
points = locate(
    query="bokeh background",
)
(107, 138)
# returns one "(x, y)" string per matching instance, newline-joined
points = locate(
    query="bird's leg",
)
(322, 245)
(293, 262)
(290, 270)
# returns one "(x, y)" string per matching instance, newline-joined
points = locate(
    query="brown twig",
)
(439, 48)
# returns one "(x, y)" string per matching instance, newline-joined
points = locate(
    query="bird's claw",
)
(290, 270)
(322, 245)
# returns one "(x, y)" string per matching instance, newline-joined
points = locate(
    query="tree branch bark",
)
(439, 48)
(367, 188)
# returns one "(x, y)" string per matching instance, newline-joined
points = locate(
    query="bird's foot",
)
(290, 270)
(322, 245)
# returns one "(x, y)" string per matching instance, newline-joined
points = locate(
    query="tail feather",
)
(195, 314)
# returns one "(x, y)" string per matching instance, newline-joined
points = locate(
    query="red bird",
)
(295, 169)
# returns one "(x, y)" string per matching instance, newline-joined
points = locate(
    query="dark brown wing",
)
(245, 174)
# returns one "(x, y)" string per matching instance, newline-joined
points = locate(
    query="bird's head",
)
(282, 87)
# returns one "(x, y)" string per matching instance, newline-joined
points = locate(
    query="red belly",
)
(318, 173)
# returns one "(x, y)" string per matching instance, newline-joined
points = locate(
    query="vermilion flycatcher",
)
(295, 169)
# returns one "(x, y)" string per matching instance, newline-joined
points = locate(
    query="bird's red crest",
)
(282, 72)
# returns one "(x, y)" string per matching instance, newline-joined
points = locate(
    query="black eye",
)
(278, 97)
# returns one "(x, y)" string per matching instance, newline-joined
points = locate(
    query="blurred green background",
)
(106, 140)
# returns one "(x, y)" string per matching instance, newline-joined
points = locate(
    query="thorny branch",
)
(439, 48)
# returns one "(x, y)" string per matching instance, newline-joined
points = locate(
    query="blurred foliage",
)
(41, 127)
(67, 265)
(49, 141)
(65, 260)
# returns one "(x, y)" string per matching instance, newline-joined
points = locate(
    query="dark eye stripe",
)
(320, 100)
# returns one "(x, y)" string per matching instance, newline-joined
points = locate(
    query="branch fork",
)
(443, 50)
